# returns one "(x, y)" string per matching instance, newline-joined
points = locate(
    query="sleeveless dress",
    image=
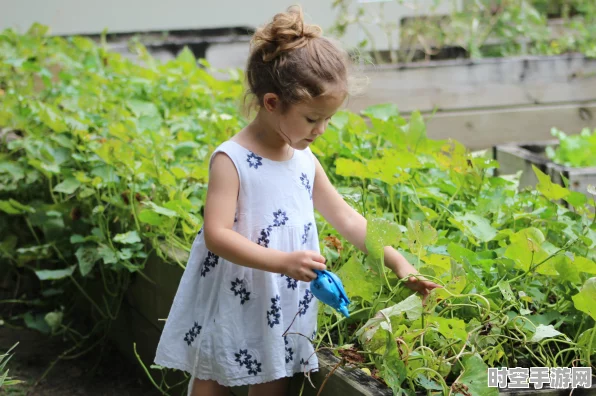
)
(227, 322)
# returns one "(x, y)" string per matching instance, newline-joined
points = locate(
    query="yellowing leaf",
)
(549, 189)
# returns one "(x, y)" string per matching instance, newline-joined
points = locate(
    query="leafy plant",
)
(512, 262)
(106, 166)
(5, 380)
(485, 28)
(578, 151)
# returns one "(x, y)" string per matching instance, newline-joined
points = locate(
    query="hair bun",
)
(285, 33)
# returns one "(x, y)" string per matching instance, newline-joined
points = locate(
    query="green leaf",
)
(150, 217)
(576, 199)
(14, 207)
(543, 332)
(68, 186)
(584, 300)
(143, 108)
(473, 379)
(37, 322)
(583, 264)
(358, 281)
(549, 189)
(476, 226)
(161, 210)
(420, 235)
(506, 290)
(567, 271)
(450, 328)
(87, 257)
(108, 255)
(187, 56)
(393, 369)
(54, 320)
(381, 111)
(128, 238)
(52, 118)
(380, 233)
(411, 306)
(55, 274)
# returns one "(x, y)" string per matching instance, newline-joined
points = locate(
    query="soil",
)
(89, 375)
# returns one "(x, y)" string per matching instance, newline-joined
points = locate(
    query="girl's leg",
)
(208, 388)
(274, 388)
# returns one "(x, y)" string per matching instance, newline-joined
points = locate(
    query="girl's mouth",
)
(309, 140)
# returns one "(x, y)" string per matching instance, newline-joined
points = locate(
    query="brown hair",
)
(291, 59)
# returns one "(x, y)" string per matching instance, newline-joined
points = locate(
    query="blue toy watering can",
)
(329, 289)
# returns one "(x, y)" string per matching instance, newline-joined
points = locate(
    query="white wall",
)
(92, 16)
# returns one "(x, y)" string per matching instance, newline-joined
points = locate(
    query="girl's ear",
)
(271, 102)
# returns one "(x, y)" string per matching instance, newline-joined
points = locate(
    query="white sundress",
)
(227, 321)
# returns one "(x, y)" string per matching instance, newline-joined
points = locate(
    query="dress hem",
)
(252, 380)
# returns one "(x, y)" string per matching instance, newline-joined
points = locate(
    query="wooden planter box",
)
(479, 102)
(140, 322)
(514, 157)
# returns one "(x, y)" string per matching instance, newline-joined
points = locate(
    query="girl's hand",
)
(300, 264)
(420, 285)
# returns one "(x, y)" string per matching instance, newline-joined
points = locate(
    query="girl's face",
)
(303, 123)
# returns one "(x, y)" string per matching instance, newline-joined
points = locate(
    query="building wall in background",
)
(122, 16)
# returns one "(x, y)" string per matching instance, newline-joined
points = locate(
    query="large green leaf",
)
(543, 332)
(411, 307)
(87, 257)
(584, 300)
(475, 227)
(474, 380)
(450, 328)
(357, 280)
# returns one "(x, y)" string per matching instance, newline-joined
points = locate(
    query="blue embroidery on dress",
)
(274, 315)
(306, 230)
(254, 161)
(201, 230)
(304, 363)
(253, 367)
(289, 351)
(243, 357)
(210, 262)
(292, 283)
(303, 304)
(193, 333)
(240, 290)
(280, 218)
(264, 238)
(306, 184)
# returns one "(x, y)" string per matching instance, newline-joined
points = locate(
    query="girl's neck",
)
(264, 131)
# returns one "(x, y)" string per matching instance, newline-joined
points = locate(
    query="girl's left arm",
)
(352, 226)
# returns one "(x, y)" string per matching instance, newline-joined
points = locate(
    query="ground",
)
(113, 376)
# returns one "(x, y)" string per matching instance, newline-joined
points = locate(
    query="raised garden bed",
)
(521, 156)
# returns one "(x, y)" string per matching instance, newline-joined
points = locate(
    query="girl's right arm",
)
(222, 240)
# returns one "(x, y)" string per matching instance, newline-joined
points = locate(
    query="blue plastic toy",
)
(329, 289)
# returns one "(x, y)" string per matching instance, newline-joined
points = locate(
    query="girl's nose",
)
(320, 129)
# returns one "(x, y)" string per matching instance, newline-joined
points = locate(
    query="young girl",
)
(247, 278)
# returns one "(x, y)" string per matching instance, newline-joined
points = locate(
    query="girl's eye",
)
(310, 120)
